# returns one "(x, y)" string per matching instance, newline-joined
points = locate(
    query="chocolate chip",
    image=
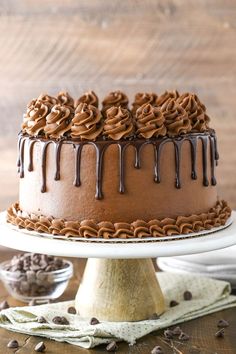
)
(94, 321)
(40, 347)
(220, 333)
(222, 323)
(173, 303)
(41, 319)
(13, 344)
(168, 334)
(4, 305)
(64, 321)
(188, 295)
(72, 310)
(177, 331)
(157, 350)
(112, 347)
(60, 320)
(154, 316)
(184, 337)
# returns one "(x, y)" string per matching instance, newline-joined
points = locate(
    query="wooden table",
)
(201, 330)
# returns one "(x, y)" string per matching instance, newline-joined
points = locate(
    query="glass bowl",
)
(40, 286)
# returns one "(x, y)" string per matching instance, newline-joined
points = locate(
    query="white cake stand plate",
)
(119, 282)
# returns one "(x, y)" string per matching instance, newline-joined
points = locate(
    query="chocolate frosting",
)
(47, 98)
(150, 121)
(143, 98)
(215, 217)
(118, 123)
(166, 96)
(86, 123)
(35, 118)
(176, 118)
(196, 111)
(115, 98)
(58, 121)
(182, 114)
(89, 97)
(65, 99)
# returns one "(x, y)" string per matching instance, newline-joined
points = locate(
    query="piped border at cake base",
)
(216, 217)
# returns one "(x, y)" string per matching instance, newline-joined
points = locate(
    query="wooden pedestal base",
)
(119, 290)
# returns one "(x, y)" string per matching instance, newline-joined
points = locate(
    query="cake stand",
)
(119, 282)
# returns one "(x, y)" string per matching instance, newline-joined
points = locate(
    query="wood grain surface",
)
(202, 331)
(133, 45)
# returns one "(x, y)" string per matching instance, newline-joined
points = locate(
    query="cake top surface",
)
(169, 114)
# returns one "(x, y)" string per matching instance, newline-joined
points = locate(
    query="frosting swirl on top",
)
(65, 99)
(86, 123)
(48, 99)
(35, 118)
(115, 98)
(89, 97)
(58, 121)
(118, 123)
(150, 121)
(166, 96)
(142, 98)
(196, 111)
(176, 118)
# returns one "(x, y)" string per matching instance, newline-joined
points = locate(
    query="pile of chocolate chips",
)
(32, 276)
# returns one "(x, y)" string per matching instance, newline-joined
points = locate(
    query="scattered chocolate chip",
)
(13, 344)
(222, 323)
(157, 350)
(188, 295)
(154, 316)
(72, 310)
(112, 347)
(40, 347)
(184, 337)
(94, 321)
(177, 331)
(168, 334)
(32, 302)
(220, 333)
(41, 319)
(64, 320)
(4, 305)
(60, 320)
(173, 303)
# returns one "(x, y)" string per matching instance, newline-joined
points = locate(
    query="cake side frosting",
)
(112, 165)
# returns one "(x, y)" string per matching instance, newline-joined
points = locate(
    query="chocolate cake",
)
(118, 171)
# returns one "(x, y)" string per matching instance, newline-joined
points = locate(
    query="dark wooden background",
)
(133, 45)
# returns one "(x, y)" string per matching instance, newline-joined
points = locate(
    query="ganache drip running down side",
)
(26, 143)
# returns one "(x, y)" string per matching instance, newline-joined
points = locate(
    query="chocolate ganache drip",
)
(208, 140)
(118, 123)
(86, 123)
(89, 98)
(150, 121)
(143, 98)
